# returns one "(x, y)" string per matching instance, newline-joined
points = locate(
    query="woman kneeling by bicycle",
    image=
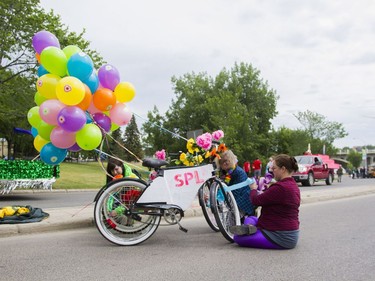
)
(278, 224)
(234, 174)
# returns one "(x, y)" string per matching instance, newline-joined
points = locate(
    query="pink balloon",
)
(120, 114)
(92, 109)
(49, 110)
(62, 139)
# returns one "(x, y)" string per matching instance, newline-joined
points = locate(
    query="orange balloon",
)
(104, 99)
(85, 103)
(37, 56)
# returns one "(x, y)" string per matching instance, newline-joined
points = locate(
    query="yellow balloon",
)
(39, 142)
(70, 90)
(124, 92)
(46, 85)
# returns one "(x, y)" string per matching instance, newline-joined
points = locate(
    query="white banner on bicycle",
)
(178, 186)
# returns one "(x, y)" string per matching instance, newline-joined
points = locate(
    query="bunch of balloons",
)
(75, 103)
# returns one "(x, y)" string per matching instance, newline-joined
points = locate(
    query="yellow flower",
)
(207, 155)
(190, 146)
(198, 159)
(182, 157)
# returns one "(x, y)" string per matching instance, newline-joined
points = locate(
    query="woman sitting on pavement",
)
(278, 224)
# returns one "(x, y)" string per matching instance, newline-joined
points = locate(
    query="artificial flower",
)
(222, 148)
(198, 159)
(191, 146)
(182, 157)
(160, 154)
(204, 141)
(217, 135)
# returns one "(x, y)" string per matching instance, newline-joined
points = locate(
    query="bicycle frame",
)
(176, 186)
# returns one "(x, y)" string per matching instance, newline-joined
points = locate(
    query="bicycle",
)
(128, 211)
(224, 206)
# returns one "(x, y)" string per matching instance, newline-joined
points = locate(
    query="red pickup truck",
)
(312, 168)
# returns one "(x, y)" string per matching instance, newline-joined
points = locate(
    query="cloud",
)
(318, 55)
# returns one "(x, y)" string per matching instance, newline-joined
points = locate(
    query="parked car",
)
(311, 168)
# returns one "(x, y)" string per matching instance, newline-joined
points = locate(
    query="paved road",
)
(336, 244)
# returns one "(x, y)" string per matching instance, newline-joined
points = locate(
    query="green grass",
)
(83, 175)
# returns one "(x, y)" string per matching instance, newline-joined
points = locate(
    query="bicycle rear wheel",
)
(205, 203)
(116, 218)
(225, 210)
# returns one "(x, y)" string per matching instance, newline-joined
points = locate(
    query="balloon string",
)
(136, 157)
(163, 129)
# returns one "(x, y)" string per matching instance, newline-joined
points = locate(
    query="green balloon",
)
(44, 130)
(89, 137)
(54, 60)
(39, 99)
(71, 50)
(33, 116)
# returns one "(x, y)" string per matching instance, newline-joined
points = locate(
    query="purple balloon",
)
(71, 118)
(102, 120)
(74, 148)
(109, 76)
(44, 39)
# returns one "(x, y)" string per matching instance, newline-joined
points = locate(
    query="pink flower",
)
(218, 134)
(204, 141)
(160, 154)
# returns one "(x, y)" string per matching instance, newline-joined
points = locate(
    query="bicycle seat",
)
(154, 163)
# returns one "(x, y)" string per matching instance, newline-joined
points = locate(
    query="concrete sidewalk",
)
(79, 217)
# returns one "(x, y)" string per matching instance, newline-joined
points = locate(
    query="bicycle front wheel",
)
(205, 203)
(116, 218)
(225, 210)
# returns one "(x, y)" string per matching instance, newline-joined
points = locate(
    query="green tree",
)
(113, 144)
(19, 21)
(355, 158)
(291, 142)
(132, 140)
(236, 101)
(156, 137)
(317, 127)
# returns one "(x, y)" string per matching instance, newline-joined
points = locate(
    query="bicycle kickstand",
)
(181, 227)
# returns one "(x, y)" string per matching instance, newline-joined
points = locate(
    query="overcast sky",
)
(317, 55)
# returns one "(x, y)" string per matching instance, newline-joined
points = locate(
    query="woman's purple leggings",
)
(256, 240)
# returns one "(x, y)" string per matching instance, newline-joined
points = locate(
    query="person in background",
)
(246, 168)
(116, 169)
(339, 173)
(257, 168)
(269, 165)
(278, 224)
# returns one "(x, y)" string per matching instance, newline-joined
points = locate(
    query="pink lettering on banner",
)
(199, 180)
(188, 177)
(179, 181)
(184, 179)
